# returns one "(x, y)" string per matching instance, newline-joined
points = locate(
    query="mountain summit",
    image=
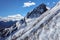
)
(37, 11)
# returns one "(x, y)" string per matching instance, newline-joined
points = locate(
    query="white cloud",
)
(28, 4)
(17, 17)
(13, 17)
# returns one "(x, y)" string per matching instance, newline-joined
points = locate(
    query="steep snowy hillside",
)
(46, 27)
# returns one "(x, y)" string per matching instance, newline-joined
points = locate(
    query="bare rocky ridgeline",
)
(45, 27)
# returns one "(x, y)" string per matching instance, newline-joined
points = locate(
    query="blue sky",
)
(12, 7)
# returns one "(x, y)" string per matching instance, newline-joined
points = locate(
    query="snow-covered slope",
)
(44, 27)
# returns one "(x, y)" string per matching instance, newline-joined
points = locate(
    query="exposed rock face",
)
(37, 11)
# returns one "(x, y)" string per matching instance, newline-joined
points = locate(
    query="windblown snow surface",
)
(45, 27)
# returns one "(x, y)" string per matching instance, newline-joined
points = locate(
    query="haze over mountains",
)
(41, 23)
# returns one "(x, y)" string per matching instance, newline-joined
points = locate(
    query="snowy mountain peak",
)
(37, 11)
